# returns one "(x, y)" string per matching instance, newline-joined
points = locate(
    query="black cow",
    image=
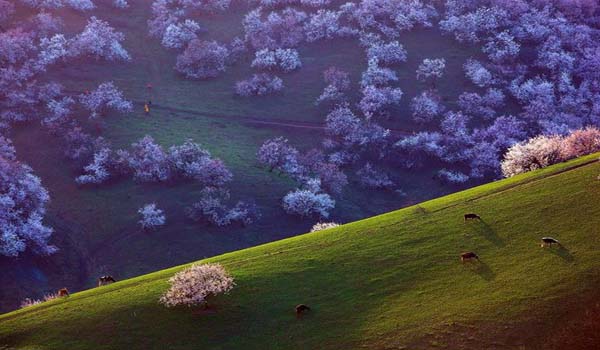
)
(468, 256)
(104, 280)
(300, 309)
(472, 216)
(548, 242)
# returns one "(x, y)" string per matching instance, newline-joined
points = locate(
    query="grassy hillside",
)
(391, 281)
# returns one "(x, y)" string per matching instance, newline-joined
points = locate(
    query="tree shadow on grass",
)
(483, 229)
(562, 252)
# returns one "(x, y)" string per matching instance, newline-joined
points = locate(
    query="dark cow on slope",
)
(548, 242)
(104, 280)
(472, 216)
(468, 256)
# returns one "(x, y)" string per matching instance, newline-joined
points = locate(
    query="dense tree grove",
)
(531, 98)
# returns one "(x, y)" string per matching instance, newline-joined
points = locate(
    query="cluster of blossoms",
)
(542, 151)
(151, 216)
(320, 226)
(23, 202)
(259, 85)
(286, 60)
(195, 284)
(106, 96)
(212, 208)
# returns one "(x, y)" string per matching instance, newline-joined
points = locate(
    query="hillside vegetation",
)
(391, 281)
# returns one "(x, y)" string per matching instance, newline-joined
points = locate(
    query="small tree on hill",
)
(194, 285)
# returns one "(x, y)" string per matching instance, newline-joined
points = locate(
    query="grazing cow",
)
(104, 280)
(548, 242)
(468, 256)
(300, 309)
(63, 292)
(472, 216)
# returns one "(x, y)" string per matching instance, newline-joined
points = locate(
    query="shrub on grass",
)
(202, 59)
(259, 85)
(194, 285)
(319, 226)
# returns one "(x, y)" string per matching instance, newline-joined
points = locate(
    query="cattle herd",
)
(471, 256)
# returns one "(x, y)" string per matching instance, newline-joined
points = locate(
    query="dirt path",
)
(250, 119)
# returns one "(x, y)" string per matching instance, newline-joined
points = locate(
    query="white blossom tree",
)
(151, 216)
(98, 39)
(195, 284)
(105, 96)
(23, 202)
(202, 59)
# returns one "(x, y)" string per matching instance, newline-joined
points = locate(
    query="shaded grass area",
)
(389, 281)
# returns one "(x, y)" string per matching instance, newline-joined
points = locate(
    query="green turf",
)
(379, 283)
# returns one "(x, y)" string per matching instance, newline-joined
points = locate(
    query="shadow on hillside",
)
(483, 229)
(563, 253)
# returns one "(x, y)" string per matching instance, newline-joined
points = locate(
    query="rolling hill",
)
(389, 282)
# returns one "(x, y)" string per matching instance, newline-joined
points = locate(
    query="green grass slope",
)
(389, 282)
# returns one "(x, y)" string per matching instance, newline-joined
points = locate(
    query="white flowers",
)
(192, 286)
(152, 217)
(286, 60)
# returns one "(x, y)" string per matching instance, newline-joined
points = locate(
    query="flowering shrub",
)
(27, 302)
(426, 106)
(23, 202)
(542, 151)
(195, 284)
(107, 95)
(454, 177)
(431, 69)
(179, 34)
(202, 59)
(152, 217)
(98, 171)
(99, 40)
(277, 154)
(149, 161)
(286, 60)
(309, 201)
(212, 208)
(320, 226)
(191, 161)
(259, 85)
(373, 178)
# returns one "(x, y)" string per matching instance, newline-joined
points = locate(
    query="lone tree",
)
(152, 217)
(194, 285)
(431, 69)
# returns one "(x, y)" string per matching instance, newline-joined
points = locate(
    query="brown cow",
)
(472, 216)
(63, 292)
(468, 256)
